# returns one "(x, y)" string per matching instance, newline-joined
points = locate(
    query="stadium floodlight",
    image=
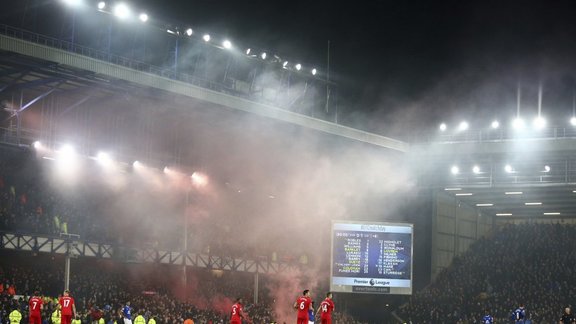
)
(573, 121)
(452, 189)
(248, 50)
(137, 164)
(552, 213)
(443, 127)
(484, 205)
(166, 169)
(495, 124)
(189, 32)
(101, 5)
(121, 11)
(504, 214)
(513, 193)
(199, 179)
(518, 123)
(546, 168)
(72, 2)
(143, 17)
(227, 44)
(263, 55)
(454, 170)
(103, 158)
(508, 168)
(206, 37)
(314, 71)
(539, 123)
(298, 66)
(464, 194)
(476, 169)
(533, 203)
(463, 126)
(37, 145)
(285, 64)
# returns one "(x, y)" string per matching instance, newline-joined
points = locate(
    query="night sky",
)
(404, 61)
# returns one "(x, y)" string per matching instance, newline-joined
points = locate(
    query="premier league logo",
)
(372, 282)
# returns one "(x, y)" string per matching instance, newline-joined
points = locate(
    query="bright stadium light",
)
(463, 126)
(101, 5)
(199, 179)
(227, 44)
(121, 11)
(137, 164)
(518, 123)
(495, 124)
(189, 32)
(298, 66)
(206, 37)
(476, 169)
(508, 168)
(103, 158)
(37, 145)
(314, 71)
(454, 170)
(263, 55)
(573, 121)
(546, 168)
(539, 123)
(248, 50)
(443, 127)
(143, 17)
(285, 64)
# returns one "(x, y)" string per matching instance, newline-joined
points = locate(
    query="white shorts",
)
(127, 321)
(310, 322)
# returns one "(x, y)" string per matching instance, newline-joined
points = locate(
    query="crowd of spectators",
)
(530, 264)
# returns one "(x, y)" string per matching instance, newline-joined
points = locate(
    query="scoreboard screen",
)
(371, 257)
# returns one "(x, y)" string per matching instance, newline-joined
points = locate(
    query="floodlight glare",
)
(476, 169)
(103, 158)
(227, 44)
(37, 145)
(143, 17)
(206, 37)
(199, 179)
(546, 168)
(518, 123)
(463, 126)
(314, 71)
(189, 32)
(508, 168)
(573, 121)
(539, 122)
(248, 51)
(101, 5)
(285, 64)
(495, 124)
(72, 2)
(263, 55)
(121, 11)
(298, 66)
(443, 127)
(454, 170)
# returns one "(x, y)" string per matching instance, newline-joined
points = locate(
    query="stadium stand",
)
(528, 263)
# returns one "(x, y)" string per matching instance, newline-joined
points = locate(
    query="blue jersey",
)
(487, 319)
(127, 311)
(519, 314)
(310, 315)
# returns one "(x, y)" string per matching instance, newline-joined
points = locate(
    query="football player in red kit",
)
(326, 308)
(67, 307)
(35, 307)
(303, 304)
(237, 313)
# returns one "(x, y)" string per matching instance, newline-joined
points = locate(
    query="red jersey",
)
(35, 306)
(236, 312)
(326, 308)
(66, 304)
(303, 305)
